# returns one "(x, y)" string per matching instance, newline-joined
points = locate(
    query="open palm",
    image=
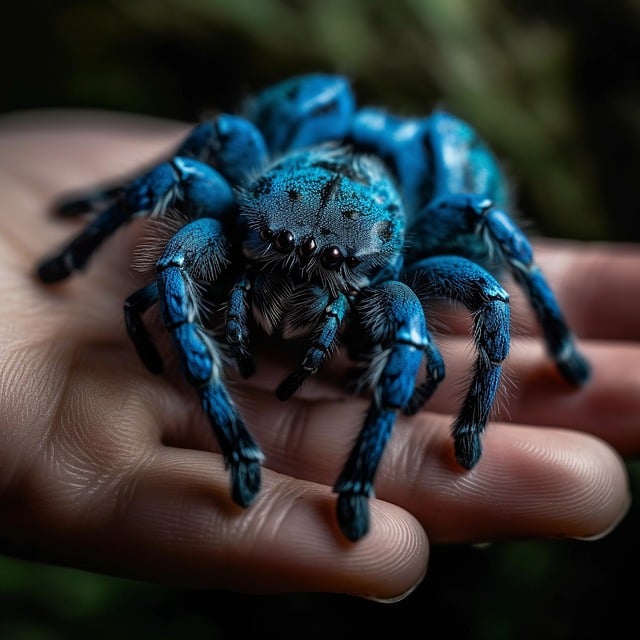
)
(103, 465)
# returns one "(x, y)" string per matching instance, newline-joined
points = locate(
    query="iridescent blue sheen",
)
(307, 218)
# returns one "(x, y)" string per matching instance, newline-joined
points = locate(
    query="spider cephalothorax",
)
(307, 218)
(325, 215)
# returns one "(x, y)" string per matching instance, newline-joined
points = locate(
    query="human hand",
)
(104, 466)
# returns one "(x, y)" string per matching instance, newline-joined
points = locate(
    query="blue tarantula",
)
(309, 218)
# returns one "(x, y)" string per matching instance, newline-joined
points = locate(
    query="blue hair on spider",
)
(307, 217)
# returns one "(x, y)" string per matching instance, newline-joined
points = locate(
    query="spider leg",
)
(201, 189)
(403, 143)
(320, 345)
(393, 315)
(134, 306)
(460, 279)
(303, 111)
(86, 202)
(429, 156)
(473, 221)
(367, 356)
(197, 251)
(237, 329)
(435, 372)
(230, 144)
(518, 255)
(75, 255)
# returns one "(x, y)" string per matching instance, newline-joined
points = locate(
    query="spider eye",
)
(352, 262)
(307, 248)
(266, 234)
(284, 241)
(331, 257)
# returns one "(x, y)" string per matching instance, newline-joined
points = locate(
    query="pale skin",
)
(105, 466)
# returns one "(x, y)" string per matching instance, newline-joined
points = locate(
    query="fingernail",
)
(393, 599)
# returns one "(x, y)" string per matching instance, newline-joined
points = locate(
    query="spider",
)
(307, 217)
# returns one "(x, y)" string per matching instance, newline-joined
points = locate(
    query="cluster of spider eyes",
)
(331, 257)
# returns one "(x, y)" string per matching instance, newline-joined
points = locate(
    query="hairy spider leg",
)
(237, 325)
(197, 252)
(358, 376)
(392, 315)
(459, 194)
(231, 144)
(87, 201)
(491, 234)
(228, 143)
(435, 371)
(200, 188)
(459, 279)
(323, 339)
(303, 111)
(403, 144)
(364, 350)
(134, 306)
(516, 251)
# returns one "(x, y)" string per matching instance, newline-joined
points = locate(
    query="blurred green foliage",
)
(553, 86)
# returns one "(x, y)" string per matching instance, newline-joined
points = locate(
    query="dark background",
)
(553, 86)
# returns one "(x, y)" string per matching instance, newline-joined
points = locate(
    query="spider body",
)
(311, 219)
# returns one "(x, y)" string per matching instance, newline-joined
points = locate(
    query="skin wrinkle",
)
(291, 429)
(314, 538)
(300, 545)
(407, 459)
(93, 469)
(491, 486)
(260, 527)
(292, 438)
(196, 499)
(77, 476)
(47, 423)
(573, 466)
(594, 495)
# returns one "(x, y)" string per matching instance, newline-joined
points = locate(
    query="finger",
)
(534, 393)
(596, 285)
(104, 485)
(608, 406)
(568, 484)
(172, 520)
(97, 147)
(530, 482)
(540, 482)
